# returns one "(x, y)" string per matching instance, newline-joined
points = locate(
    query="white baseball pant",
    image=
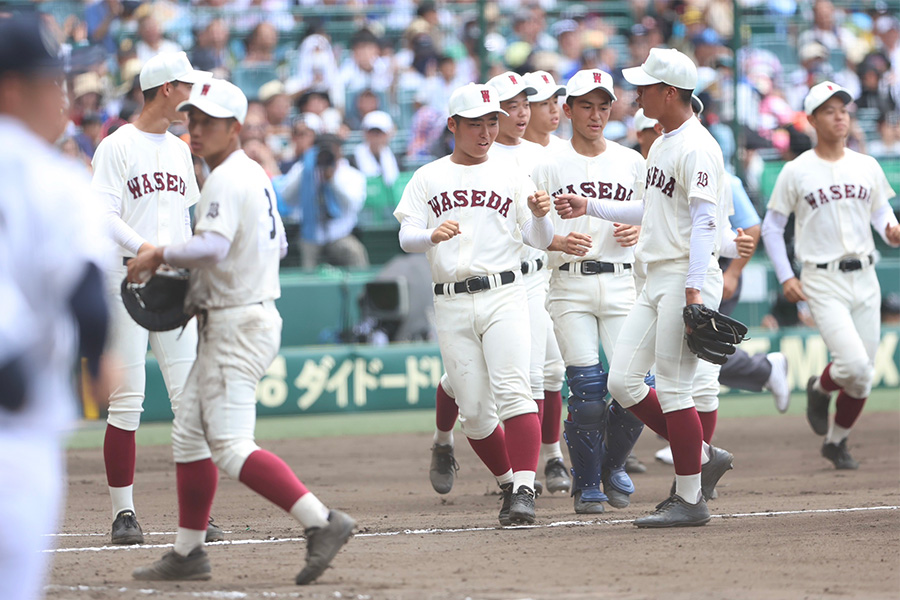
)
(706, 381)
(217, 415)
(547, 368)
(174, 350)
(847, 310)
(485, 342)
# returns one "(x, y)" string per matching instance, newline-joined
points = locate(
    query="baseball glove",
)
(158, 304)
(711, 335)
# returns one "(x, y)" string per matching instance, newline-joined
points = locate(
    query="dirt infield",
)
(383, 482)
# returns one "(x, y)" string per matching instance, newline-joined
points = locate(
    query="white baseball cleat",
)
(664, 455)
(778, 382)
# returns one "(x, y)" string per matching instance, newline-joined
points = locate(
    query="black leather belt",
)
(476, 284)
(593, 267)
(849, 264)
(526, 266)
(125, 260)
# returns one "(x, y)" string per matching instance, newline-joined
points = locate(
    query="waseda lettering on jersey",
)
(155, 182)
(838, 192)
(474, 198)
(656, 178)
(598, 189)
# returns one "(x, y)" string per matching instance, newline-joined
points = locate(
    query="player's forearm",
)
(538, 232)
(119, 230)
(703, 242)
(630, 213)
(773, 237)
(882, 219)
(728, 248)
(202, 250)
(415, 238)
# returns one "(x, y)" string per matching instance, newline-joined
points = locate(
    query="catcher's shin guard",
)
(583, 429)
(622, 432)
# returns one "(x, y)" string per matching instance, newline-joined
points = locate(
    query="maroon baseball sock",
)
(552, 417)
(847, 410)
(118, 455)
(271, 478)
(826, 381)
(445, 410)
(492, 452)
(686, 439)
(196, 482)
(650, 413)
(523, 441)
(708, 422)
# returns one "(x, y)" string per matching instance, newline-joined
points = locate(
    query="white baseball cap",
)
(509, 85)
(170, 66)
(664, 65)
(378, 119)
(474, 100)
(697, 104)
(544, 85)
(821, 93)
(642, 122)
(589, 80)
(219, 99)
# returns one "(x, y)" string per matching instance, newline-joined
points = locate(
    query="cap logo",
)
(597, 77)
(513, 79)
(830, 88)
(205, 89)
(545, 78)
(486, 95)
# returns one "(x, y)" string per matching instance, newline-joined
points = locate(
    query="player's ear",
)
(567, 110)
(451, 124)
(236, 126)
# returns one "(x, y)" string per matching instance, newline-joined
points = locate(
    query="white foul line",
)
(474, 529)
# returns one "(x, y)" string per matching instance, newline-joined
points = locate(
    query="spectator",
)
(87, 96)
(428, 123)
(441, 85)
(825, 29)
(707, 46)
(888, 142)
(151, 41)
(89, 138)
(211, 53)
(373, 157)
(277, 106)
(318, 103)
(569, 39)
(304, 130)
(260, 44)
(529, 26)
(365, 68)
(325, 194)
(814, 68)
(874, 93)
(888, 30)
(316, 68)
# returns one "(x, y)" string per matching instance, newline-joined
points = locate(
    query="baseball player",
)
(234, 259)
(544, 110)
(837, 196)
(679, 217)
(592, 288)
(547, 367)
(145, 176)
(51, 290)
(470, 214)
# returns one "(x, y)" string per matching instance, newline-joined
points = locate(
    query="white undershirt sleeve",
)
(188, 231)
(728, 248)
(202, 250)
(703, 241)
(537, 232)
(881, 218)
(119, 230)
(414, 236)
(773, 237)
(630, 213)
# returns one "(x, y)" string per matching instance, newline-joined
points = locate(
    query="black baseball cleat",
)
(214, 533)
(634, 465)
(174, 567)
(720, 462)
(443, 468)
(323, 543)
(587, 507)
(506, 494)
(839, 455)
(557, 476)
(126, 531)
(675, 512)
(521, 509)
(817, 407)
(538, 488)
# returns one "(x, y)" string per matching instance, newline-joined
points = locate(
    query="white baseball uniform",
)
(148, 183)
(485, 337)
(834, 203)
(240, 331)
(588, 310)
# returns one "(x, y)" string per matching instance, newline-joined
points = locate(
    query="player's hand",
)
(445, 231)
(539, 203)
(745, 244)
(730, 281)
(793, 291)
(892, 233)
(692, 296)
(144, 265)
(626, 235)
(576, 244)
(570, 206)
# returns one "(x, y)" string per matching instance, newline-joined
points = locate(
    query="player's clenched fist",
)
(539, 203)
(445, 231)
(793, 291)
(892, 232)
(570, 206)
(745, 244)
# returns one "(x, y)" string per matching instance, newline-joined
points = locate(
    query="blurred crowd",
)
(375, 75)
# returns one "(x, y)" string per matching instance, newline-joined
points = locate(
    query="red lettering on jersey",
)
(445, 202)
(158, 178)
(670, 187)
(486, 95)
(182, 186)
(621, 193)
(504, 210)
(478, 197)
(205, 89)
(605, 191)
(811, 200)
(148, 187)
(171, 182)
(494, 201)
(702, 179)
(850, 190)
(435, 206)
(461, 198)
(863, 193)
(134, 187)
(836, 192)
(587, 189)
(597, 76)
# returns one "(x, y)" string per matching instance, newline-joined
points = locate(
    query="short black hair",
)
(151, 93)
(685, 95)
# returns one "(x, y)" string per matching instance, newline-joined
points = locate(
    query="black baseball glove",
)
(711, 335)
(158, 304)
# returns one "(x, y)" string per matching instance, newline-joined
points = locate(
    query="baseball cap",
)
(821, 93)
(378, 119)
(696, 104)
(642, 122)
(544, 85)
(509, 85)
(219, 99)
(589, 80)
(269, 90)
(474, 100)
(664, 65)
(27, 46)
(170, 66)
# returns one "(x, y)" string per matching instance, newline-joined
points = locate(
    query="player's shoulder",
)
(121, 139)
(623, 152)
(869, 162)
(436, 169)
(237, 173)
